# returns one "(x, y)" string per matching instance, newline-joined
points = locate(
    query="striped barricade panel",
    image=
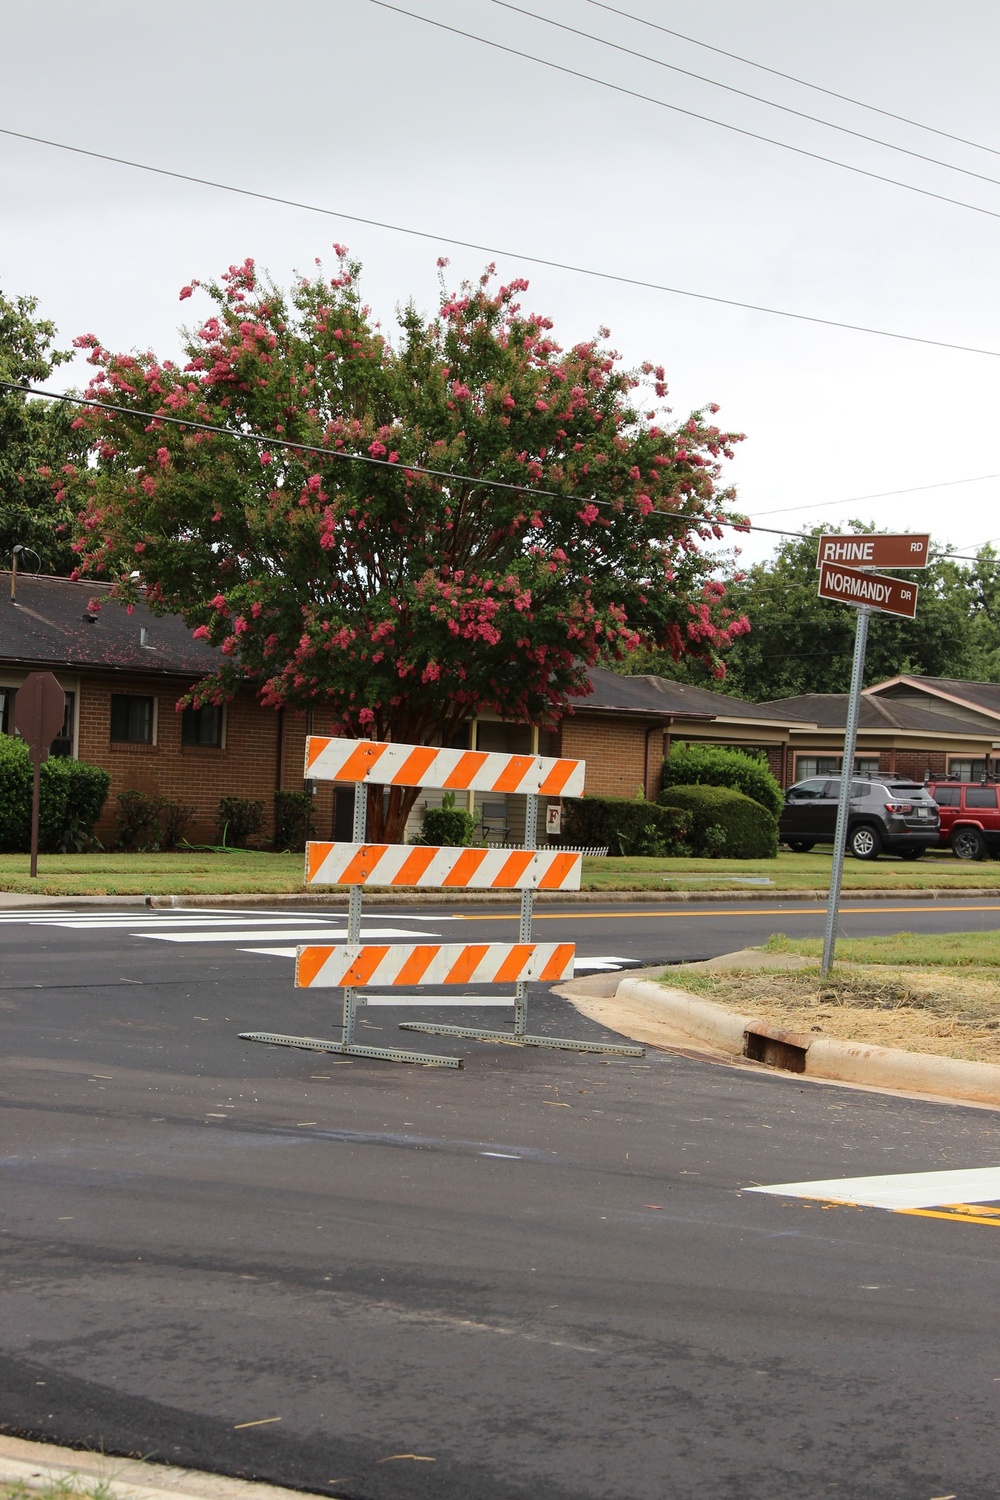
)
(443, 868)
(355, 964)
(454, 770)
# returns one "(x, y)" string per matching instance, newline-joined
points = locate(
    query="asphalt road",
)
(539, 1277)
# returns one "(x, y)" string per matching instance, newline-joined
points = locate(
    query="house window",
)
(829, 765)
(966, 770)
(202, 726)
(7, 695)
(131, 719)
(63, 742)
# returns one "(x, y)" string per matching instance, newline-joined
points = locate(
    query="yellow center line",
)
(960, 1213)
(687, 915)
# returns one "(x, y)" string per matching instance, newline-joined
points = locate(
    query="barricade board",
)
(346, 965)
(443, 868)
(372, 761)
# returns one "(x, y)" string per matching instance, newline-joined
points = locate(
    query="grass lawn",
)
(234, 871)
(246, 871)
(789, 872)
(937, 994)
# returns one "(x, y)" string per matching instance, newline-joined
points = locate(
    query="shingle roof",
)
(829, 711)
(662, 697)
(984, 695)
(48, 626)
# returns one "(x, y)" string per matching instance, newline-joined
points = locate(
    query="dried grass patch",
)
(953, 1013)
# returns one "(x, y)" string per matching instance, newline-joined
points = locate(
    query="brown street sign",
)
(903, 551)
(850, 586)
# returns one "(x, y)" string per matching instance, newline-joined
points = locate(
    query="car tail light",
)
(899, 807)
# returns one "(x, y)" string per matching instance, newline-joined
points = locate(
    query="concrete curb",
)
(38, 1466)
(805, 1053)
(16, 900)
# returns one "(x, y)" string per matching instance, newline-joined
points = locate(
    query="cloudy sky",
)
(359, 109)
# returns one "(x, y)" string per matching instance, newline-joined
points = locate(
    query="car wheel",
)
(800, 846)
(865, 842)
(968, 843)
(911, 853)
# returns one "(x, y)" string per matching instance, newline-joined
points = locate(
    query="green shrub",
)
(71, 797)
(623, 826)
(293, 814)
(239, 819)
(711, 765)
(88, 791)
(174, 818)
(751, 832)
(138, 826)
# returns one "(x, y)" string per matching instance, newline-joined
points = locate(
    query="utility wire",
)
(401, 467)
(274, 441)
(879, 495)
(692, 114)
(535, 260)
(729, 88)
(791, 78)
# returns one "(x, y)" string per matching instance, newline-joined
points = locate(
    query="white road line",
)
(602, 961)
(269, 935)
(899, 1191)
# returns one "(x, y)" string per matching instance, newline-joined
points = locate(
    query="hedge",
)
(452, 827)
(623, 826)
(71, 798)
(712, 765)
(750, 831)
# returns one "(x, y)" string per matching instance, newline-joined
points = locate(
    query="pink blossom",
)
(164, 456)
(202, 633)
(377, 449)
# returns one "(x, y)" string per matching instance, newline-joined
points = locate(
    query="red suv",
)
(970, 817)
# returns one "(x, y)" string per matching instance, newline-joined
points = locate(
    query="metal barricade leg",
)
(351, 999)
(519, 1036)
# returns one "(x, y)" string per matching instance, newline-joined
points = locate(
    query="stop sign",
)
(39, 711)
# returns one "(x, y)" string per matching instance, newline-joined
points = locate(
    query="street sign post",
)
(852, 586)
(903, 551)
(39, 711)
(867, 591)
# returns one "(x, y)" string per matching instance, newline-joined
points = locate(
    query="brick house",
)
(917, 727)
(123, 675)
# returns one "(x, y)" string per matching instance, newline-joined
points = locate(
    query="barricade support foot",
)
(520, 1039)
(351, 1049)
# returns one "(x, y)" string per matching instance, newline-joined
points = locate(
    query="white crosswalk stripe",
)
(264, 931)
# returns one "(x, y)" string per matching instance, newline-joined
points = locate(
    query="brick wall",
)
(622, 755)
(259, 744)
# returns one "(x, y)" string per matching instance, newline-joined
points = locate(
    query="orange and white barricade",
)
(351, 965)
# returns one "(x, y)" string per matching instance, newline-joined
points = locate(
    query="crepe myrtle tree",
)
(404, 601)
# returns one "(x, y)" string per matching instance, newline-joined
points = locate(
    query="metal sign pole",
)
(527, 905)
(846, 777)
(358, 833)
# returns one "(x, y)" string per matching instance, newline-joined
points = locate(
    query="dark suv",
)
(897, 817)
(970, 817)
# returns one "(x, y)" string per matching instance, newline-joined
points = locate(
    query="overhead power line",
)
(273, 440)
(729, 88)
(818, 88)
(913, 489)
(535, 260)
(753, 135)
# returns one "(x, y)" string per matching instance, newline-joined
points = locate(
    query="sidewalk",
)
(18, 901)
(45, 1467)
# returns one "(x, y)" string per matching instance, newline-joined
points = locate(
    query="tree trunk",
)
(387, 815)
